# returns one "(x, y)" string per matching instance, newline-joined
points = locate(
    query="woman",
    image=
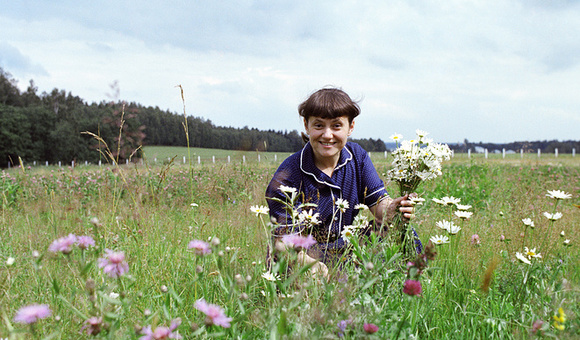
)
(329, 170)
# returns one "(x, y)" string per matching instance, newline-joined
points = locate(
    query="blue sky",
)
(492, 71)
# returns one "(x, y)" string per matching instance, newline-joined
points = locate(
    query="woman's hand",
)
(318, 269)
(403, 205)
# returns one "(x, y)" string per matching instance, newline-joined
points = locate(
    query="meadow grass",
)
(471, 290)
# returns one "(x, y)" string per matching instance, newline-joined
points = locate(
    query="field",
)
(149, 273)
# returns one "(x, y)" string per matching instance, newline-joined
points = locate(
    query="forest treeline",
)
(50, 127)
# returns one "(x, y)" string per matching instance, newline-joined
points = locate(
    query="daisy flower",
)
(451, 200)
(528, 222)
(438, 201)
(361, 206)
(342, 204)
(396, 137)
(454, 229)
(259, 210)
(308, 217)
(522, 258)
(531, 253)
(347, 232)
(463, 214)
(287, 189)
(271, 277)
(463, 207)
(558, 194)
(417, 200)
(421, 133)
(439, 239)
(445, 225)
(553, 217)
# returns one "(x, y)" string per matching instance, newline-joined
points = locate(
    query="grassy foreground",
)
(474, 288)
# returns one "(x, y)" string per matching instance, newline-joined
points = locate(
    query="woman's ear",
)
(350, 128)
(305, 124)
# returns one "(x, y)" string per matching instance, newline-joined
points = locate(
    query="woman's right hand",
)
(319, 269)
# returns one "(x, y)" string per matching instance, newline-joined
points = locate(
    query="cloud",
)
(12, 60)
(457, 69)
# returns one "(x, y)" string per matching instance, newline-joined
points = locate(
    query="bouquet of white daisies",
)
(414, 161)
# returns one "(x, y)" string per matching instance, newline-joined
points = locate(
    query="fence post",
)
(485, 153)
(556, 152)
(244, 159)
(59, 164)
(275, 157)
(198, 159)
(522, 153)
(258, 158)
(573, 152)
(468, 153)
(228, 159)
(539, 153)
(503, 153)
(385, 154)
(213, 159)
(183, 159)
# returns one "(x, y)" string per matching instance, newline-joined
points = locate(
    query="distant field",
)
(165, 153)
(162, 154)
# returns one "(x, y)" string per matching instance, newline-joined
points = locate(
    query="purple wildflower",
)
(63, 244)
(84, 242)
(114, 263)
(162, 332)
(200, 247)
(342, 327)
(215, 315)
(412, 287)
(31, 314)
(93, 325)
(370, 328)
(537, 326)
(299, 241)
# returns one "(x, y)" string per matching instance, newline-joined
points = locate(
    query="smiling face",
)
(328, 136)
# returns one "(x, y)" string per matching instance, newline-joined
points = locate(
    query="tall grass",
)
(469, 291)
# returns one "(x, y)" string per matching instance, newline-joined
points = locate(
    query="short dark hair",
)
(329, 103)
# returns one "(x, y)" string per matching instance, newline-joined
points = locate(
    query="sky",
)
(483, 70)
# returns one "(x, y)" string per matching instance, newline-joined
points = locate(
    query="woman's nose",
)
(327, 133)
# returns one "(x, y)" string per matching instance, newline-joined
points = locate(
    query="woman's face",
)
(328, 136)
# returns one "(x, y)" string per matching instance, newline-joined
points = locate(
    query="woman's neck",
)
(326, 165)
